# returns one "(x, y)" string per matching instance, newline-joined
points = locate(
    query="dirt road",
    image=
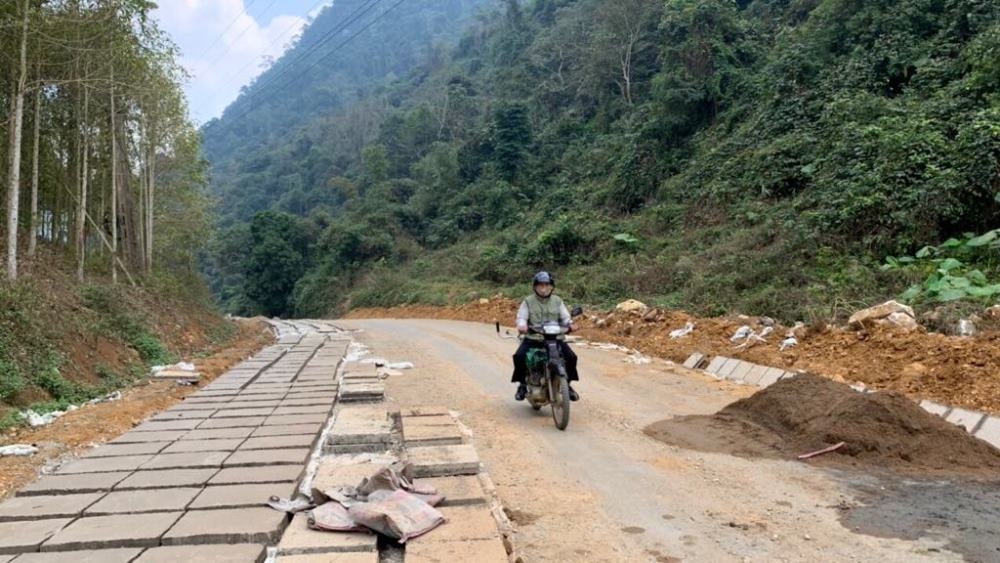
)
(603, 491)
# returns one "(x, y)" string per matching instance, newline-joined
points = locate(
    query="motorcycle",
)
(547, 380)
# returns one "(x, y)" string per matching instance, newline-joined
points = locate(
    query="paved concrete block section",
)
(343, 557)
(417, 435)
(230, 525)
(271, 474)
(139, 501)
(239, 496)
(121, 555)
(234, 422)
(965, 418)
(716, 364)
(443, 461)
(190, 460)
(302, 409)
(136, 437)
(305, 401)
(27, 535)
(103, 532)
(242, 413)
(240, 553)
(286, 430)
(162, 425)
(727, 369)
(300, 539)
(457, 491)
(935, 408)
(104, 464)
(295, 419)
(218, 433)
(480, 551)
(120, 450)
(46, 506)
(189, 446)
(68, 484)
(278, 442)
(741, 371)
(464, 523)
(771, 376)
(755, 375)
(989, 431)
(182, 415)
(433, 410)
(166, 478)
(695, 361)
(250, 458)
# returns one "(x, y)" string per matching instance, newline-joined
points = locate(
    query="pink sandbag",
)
(396, 514)
(334, 518)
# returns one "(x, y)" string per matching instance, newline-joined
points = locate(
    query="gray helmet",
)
(543, 277)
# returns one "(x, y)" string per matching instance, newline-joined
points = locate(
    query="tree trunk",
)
(33, 223)
(81, 215)
(114, 186)
(14, 160)
(151, 190)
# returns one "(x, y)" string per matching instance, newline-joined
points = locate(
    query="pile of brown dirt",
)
(961, 372)
(807, 413)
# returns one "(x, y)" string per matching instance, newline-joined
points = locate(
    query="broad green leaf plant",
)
(954, 270)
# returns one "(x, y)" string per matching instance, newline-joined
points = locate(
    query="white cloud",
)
(223, 47)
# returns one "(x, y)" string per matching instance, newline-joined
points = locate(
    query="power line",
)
(228, 27)
(307, 69)
(229, 48)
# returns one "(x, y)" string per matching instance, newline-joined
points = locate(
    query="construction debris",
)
(891, 312)
(682, 332)
(18, 450)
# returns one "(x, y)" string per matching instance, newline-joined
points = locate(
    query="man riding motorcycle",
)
(540, 307)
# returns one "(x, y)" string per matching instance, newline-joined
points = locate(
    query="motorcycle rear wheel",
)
(560, 403)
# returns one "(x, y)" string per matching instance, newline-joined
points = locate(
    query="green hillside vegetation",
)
(760, 156)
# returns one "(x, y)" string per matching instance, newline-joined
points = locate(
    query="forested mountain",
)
(761, 156)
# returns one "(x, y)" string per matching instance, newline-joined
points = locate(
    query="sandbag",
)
(397, 514)
(334, 518)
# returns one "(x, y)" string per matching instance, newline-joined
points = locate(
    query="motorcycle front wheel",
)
(560, 403)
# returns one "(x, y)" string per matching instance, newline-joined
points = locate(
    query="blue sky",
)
(224, 43)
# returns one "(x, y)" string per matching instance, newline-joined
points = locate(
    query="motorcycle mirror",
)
(576, 312)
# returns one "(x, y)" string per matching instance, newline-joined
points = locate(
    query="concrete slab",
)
(40, 507)
(303, 409)
(234, 422)
(68, 484)
(286, 430)
(754, 376)
(716, 364)
(189, 460)
(438, 420)
(104, 464)
(301, 401)
(187, 446)
(965, 418)
(241, 413)
(989, 431)
(935, 408)
(218, 433)
(464, 523)
(299, 539)
(166, 478)
(276, 442)
(119, 450)
(239, 496)
(480, 551)
(160, 426)
(741, 371)
(229, 525)
(103, 532)
(443, 461)
(246, 405)
(457, 491)
(417, 435)
(121, 555)
(27, 535)
(771, 376)
(295, 419)
(139, 501)
(728, 367)
(695, 361)
(182, 415)
(240, 553)
(252, 458)
(272, 474)
(433, 410)
(137, 437)
(336, 557)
